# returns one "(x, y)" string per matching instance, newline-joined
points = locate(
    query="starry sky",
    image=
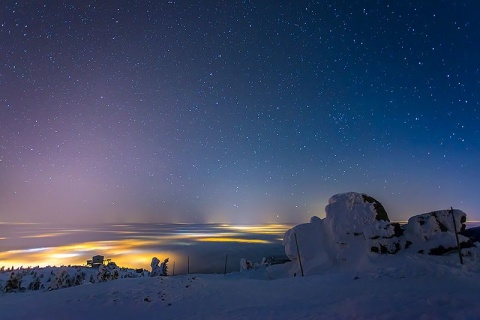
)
(236, 111)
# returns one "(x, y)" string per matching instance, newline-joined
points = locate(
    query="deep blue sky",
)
(242, 112)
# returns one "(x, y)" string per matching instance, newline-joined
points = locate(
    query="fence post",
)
(225, 270)
(173, 272)
(298, 252)
(456, 236)
(188, 265)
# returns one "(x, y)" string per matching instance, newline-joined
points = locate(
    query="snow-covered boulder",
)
(353, 213)
(357, 225)
(347, 214)
(313, 243)
(309, 237)
(357, 221)
(354, 224)
(428, 224)
(434, 232)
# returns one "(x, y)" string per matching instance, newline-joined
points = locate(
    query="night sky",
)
(236, 111)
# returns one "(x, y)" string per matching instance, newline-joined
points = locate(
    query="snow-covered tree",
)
(159, 270)
(35, 284)
(61, 280)
(108, 272)
(164, 268)
(14, 282)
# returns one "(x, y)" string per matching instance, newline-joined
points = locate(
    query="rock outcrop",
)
(354, 224)
(434, 232)
(357, 225)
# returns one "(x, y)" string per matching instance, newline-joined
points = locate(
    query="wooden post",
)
(298, 253)
(225, 270)
(456, 236)
(188, 265)
(173, 272)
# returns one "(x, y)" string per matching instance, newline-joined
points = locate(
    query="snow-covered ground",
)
(357, 265)
(387, 287)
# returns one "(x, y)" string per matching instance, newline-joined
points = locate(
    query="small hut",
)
(96, 261)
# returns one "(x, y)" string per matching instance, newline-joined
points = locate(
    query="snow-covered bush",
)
(249, 265)
(245, 265)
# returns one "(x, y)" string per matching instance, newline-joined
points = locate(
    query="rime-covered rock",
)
(313, 243)
(432, 223)
(355, 213)
(356, 225)
(434, 232)
(310, 238)
(350, 216)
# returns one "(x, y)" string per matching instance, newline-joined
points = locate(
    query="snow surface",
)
(390, 287)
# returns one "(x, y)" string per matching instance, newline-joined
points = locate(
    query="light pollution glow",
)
(135, 251)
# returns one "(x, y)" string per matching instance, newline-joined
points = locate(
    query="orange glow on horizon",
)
(135, 251)
(127, 252)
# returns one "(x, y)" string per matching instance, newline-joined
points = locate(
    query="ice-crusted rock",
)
(314, 245)
(351, 212)
(354, 223)
(362, 216)
(357, 224)
(434, 232)
(429, 224)
(310, 239)
(357, 214)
